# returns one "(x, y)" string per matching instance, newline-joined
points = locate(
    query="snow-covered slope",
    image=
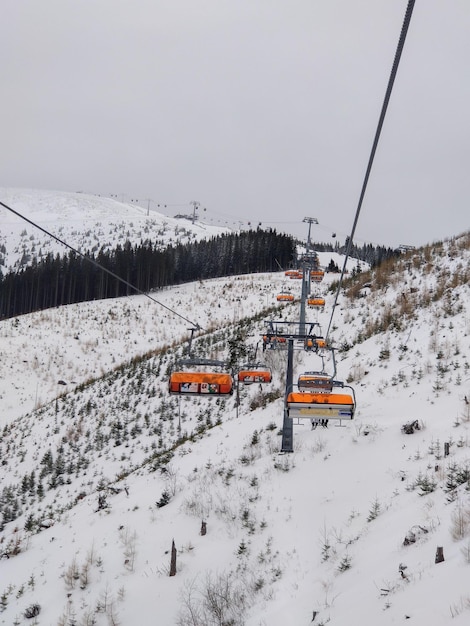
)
(105, 474)
(86, 222)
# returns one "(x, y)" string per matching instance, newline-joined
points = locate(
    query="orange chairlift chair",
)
(285, 296)
(200, 383)
(316, 397)
(317, 275)
(321, 405)
(257, 373)
(197, 378)
(315, 302)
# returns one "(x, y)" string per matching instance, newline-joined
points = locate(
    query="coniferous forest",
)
(58, 280)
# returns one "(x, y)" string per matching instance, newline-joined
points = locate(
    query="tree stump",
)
(173, 559)
(439, 554)
(203, 528)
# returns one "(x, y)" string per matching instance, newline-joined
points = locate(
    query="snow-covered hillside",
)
(86, 222)
(91, 338)
(108, 470)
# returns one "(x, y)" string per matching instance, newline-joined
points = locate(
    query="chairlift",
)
(321, 405)
(318, 382)
(315, 302)
(193, 383)
(310, 343)
(273, 341)
(254, 373)
(320, 400)
(285, 297)
(189, 380)
(317, 275)
(314, 344)
(278, 332)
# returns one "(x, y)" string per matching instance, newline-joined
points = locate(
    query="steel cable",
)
(393, 73)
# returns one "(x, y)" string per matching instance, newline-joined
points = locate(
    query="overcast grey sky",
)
(261, 110)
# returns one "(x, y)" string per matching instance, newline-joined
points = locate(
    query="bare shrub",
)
(171, 475)
(460, 527)
(71, 575)
(465, 550)
(128, 540)
(462, 605)
(219, 599)
(85, 575)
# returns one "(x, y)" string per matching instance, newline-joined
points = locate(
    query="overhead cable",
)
(401, 43)
(99, 266)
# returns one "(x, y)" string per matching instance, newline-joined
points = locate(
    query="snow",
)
(315, 536)
(87, 222)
